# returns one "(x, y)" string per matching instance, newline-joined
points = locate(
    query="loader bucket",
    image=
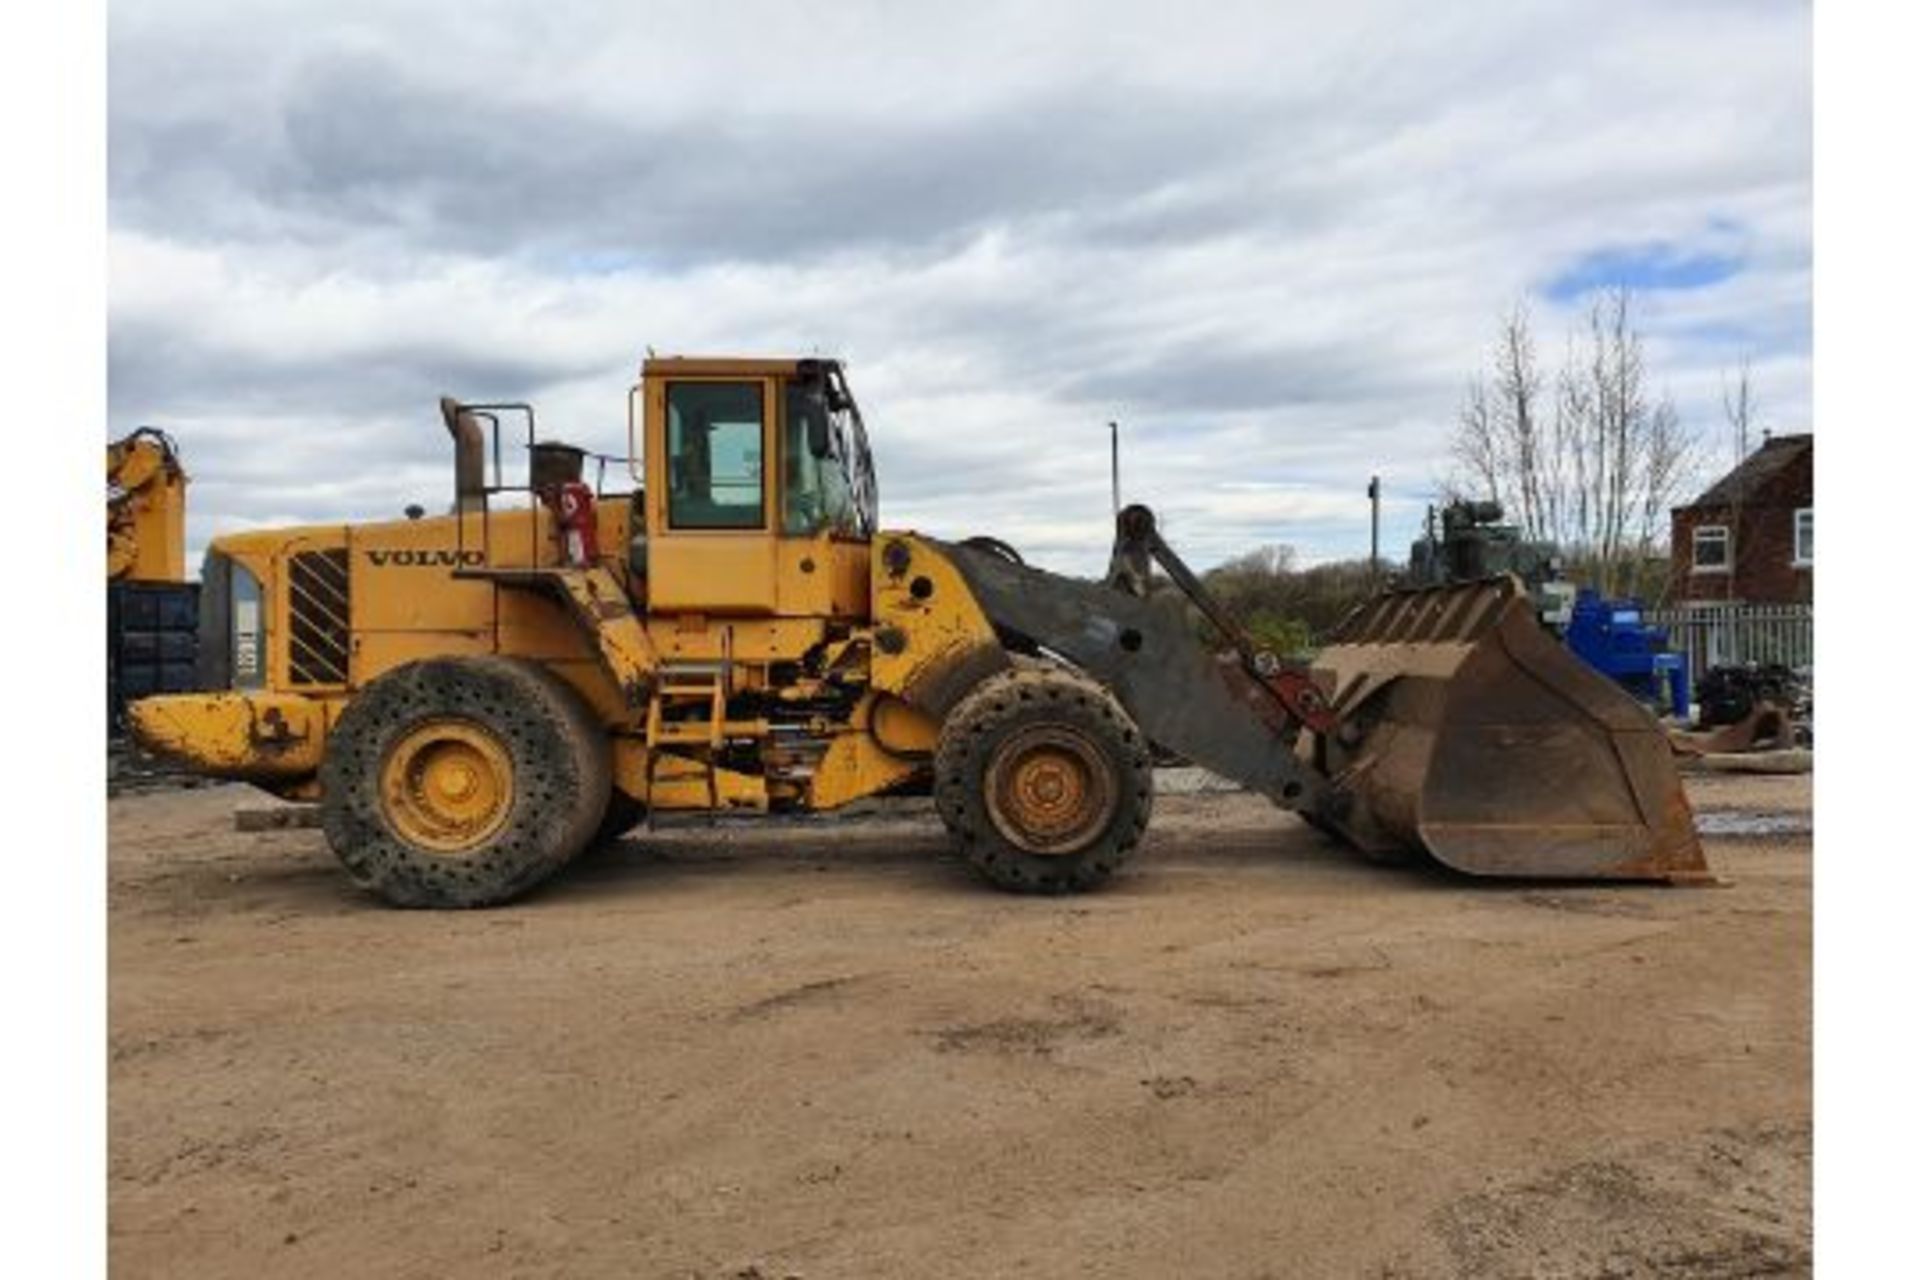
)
(1468, 733)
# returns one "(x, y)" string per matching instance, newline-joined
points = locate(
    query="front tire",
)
(462, 782)
(1044, 779)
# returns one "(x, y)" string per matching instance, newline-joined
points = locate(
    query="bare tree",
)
(1477, 446)
(1669, 462)
(1600, 476)
(1517, 383)
(1500, 444)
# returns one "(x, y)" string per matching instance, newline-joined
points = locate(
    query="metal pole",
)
(1113, 436)
(1373, 497)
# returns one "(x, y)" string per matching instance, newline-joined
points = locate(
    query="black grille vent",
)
(318, 613)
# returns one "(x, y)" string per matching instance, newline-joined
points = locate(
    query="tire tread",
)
(1034, 689)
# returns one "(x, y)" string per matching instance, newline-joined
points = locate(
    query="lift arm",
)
(1138, 545)
(1224, 713)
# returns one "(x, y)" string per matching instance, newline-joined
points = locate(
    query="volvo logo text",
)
(440, 557)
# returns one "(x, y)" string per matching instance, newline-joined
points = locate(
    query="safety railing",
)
(499, 481)
(1713, 635)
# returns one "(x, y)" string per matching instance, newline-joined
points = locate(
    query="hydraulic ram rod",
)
(1137, 542)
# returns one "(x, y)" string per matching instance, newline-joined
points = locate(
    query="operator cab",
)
(759, 487)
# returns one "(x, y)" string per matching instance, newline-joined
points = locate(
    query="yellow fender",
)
(931, 640)
(887, 743)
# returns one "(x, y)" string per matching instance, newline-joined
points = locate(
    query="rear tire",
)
(1044, 779)
(462, 782)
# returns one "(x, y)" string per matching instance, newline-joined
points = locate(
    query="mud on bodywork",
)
(250, 737)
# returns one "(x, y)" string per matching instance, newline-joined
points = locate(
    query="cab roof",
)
(728, 366)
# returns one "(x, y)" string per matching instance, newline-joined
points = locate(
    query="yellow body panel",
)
(930, 639)
(823, 576)
(600, 608)
(753, 642)
(859, 763)
(712, 572)
(408, 601)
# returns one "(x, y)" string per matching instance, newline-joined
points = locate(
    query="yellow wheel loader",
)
(475, 697)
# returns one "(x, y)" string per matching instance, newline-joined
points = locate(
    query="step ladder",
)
(682, 687)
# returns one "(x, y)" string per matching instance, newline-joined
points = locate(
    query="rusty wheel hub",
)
(1049, 790)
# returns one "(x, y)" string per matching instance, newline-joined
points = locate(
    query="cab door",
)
(710, 501)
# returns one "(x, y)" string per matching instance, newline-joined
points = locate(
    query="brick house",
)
(1749, 538)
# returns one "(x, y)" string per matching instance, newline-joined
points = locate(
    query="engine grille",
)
(318, 613)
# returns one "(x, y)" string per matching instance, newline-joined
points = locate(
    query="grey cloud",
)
(362, 145)
(1210, 378)
(1273, 246)
(159, 367)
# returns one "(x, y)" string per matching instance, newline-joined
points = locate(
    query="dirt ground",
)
(821, 1050)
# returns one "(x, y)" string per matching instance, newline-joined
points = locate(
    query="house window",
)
(1712, 549)
(1803, 538)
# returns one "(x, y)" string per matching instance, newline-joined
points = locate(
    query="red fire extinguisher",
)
(572, 504)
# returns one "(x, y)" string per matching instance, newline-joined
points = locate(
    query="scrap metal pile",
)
(1755, 707)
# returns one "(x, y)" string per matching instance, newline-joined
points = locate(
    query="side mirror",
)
(819, 432)
(812, 394)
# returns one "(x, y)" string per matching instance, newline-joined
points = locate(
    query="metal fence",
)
(1732, 634)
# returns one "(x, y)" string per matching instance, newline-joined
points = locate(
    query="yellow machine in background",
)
(146, 509)
(475, 697)
(151, 607)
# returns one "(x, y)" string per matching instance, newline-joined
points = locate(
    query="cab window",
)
(715, 443)
(815, 495)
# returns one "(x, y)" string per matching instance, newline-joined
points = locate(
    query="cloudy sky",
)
(1270, 239)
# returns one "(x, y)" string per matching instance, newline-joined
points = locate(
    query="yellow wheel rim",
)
(1049, 791)
(448, 786)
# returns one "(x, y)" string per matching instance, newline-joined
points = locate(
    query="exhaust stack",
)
(469, 457)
